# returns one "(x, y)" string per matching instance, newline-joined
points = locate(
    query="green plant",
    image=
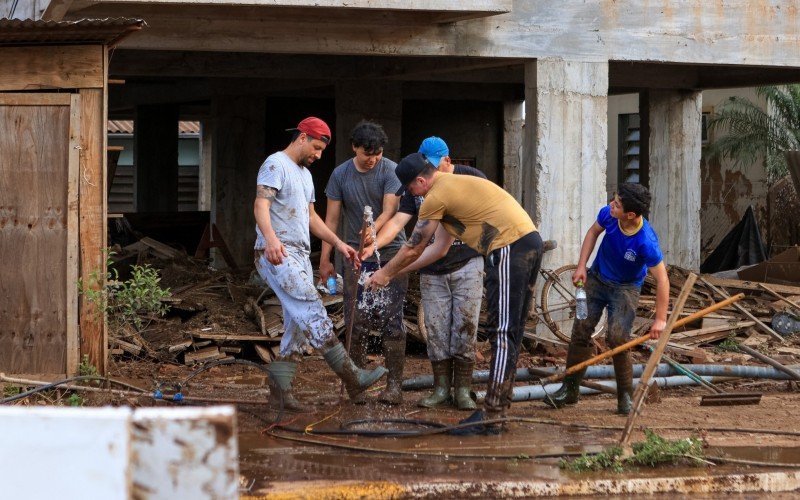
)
(652, 451)
(11, 390)
(75, 399)
(729, 344)
(86, 368)
(756, 131)
(126, 301)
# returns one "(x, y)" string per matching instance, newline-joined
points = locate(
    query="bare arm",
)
(441, 244)
(589, 241)
(274, 250)
(659, 272)
(391, 202)
(332, 212)
(413, 248)
(387, 233)
(323, 232)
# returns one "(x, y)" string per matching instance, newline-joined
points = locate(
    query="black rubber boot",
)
(281, 374)
(479, 428)
(356, 380)
(394, 352)
(462, 381)
(442, 378)
(569, 392)
(623, 372)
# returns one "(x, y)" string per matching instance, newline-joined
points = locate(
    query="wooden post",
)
(655, 358)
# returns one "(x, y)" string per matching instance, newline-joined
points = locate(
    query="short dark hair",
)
(428, 171)
(368, 135)
(634, 198)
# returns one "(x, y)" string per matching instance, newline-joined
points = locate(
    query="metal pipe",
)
(535, 392)
(607, 371)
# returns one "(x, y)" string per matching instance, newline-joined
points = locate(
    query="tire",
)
(558, 303)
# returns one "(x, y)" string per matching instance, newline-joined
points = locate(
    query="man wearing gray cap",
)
(452, 290)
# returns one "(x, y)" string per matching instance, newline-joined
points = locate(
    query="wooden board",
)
(53, 67)
(37, 299)
(254, 337)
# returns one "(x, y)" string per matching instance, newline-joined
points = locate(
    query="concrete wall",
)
(726, 191)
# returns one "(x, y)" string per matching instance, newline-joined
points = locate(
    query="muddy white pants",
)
(305, 319)
(452, 304)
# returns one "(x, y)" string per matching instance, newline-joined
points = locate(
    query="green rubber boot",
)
(281, 374)
(623, 372)
(569, 392)
(462, 381)
(442, 374)
(356, 380)
(394, 352)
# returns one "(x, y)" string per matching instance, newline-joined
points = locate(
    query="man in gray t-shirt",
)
(368, 179)
(284, 213)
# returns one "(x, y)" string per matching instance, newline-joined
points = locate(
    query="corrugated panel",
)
(126, 127)
(104, 31)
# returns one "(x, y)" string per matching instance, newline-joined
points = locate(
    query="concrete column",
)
(239, 151)
(381, 102)
(564, 150)
(674, 163)
(513, 130)
(155, 152)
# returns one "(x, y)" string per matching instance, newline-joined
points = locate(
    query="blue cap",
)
(434, 148)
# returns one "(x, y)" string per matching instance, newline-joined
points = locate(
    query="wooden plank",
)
(763, 326)
(692, 334)
(73, 248)
(205, 354)
(92, 222)
(36, 99)
(34, 165)
(247, 337)
(161, 249)
(750, 285)
(52, 67)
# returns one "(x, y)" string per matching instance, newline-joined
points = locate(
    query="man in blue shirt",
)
(629, 248)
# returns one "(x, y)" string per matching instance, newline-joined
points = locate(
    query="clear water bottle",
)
(332, 285)
(581, 307)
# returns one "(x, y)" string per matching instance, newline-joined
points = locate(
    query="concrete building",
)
(247, 69)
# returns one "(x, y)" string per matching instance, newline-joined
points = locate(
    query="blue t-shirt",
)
(624, 259)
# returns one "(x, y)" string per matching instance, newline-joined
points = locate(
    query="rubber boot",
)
(442, 375)
(281, 374)
(356, 380)
(358, 353)
(394, 352)
(462, 382)
(570, 390)
(623, 372)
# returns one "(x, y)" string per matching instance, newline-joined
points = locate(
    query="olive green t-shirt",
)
(476, 211)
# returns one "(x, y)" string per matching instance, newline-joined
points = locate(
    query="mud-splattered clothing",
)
(511, 273)
(621, 301)
(304, 317)
(476, 211)
(452, 305)
(289, 210)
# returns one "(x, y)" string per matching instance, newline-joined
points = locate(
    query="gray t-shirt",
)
(359, 189)
(289, 211)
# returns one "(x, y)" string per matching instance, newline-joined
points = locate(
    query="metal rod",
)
(766, 359)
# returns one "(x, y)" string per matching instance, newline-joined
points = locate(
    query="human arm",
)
(332, 212)
(386, 234)
(659, 272)
(442, 242)
(409, 252)
(274, 250)
(589, 241)
(322, 231)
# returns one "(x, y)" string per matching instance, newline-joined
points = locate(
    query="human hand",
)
(326, 270)
(579, 275)
(349, 253)
(368, 239)
(657, 328)
(377, 280)
(274, 251)
(366, 253)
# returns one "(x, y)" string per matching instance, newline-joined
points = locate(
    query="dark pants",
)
(384, 314)
(621, 301)
(510, 277)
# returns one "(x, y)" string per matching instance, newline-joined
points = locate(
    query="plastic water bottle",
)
(332, 285)
(581, 307)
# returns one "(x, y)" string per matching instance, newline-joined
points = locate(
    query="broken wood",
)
(206, 354)
(779, 296)
(234, 337)
(160, 249)
(127, 346)
(744, 311)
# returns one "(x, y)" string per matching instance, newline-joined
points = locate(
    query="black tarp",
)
(742, 246)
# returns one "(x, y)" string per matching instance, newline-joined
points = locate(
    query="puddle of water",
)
(758, 454)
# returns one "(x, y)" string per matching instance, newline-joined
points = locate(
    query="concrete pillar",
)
(564, 150)
(358, 100)
(513, 123)
(674, 164)
(155, 150)
(239, 151)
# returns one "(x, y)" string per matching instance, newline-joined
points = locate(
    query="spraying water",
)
(372, 300)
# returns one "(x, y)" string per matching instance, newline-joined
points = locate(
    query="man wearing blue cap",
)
(451, 288)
